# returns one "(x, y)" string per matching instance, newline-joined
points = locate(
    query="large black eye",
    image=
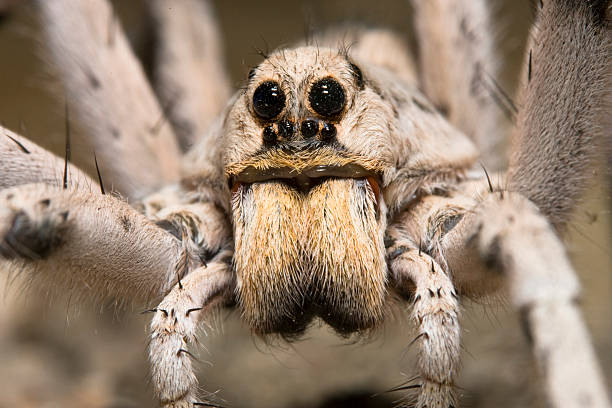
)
(327, 97)
(268, 100)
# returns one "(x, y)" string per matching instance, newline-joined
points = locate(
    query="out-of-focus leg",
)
(560, 130)
(23, 162)
(190, 69)
(458, 67)
(117, 113)
(514, 239)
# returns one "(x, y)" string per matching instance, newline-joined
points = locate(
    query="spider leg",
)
(458, 66)
(192, 212)
(511, 236)
(24, 162)
(97, 246)
(91, 244)
(190, 73)
(559, 129)
(173, 330)
(106, 88)
(503, 238)
(435, 313)
(193, 217)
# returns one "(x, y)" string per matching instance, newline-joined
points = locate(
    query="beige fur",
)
(117, 113)
(23, 162)
(562, 100)
(458, 69)
(302, 269)
(94, 245)
(302, 227)
(190, 71)
(267, 272)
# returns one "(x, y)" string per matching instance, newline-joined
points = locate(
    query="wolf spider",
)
(337, 180)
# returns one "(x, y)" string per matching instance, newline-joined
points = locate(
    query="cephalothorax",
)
(331, 183)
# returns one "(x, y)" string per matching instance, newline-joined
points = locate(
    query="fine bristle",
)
(294, 268)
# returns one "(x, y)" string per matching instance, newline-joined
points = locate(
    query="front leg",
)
(511, 236)
(436, 314)
(503, 238)
(93, 245)
(97, 246)
(173, 330)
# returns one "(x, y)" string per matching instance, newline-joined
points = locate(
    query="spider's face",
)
(308, 113)
(307, 147)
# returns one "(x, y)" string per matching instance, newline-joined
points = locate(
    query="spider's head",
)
(314, 150)
(306, 153)
(305, 116)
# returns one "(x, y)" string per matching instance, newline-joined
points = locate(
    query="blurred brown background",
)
(57, 354)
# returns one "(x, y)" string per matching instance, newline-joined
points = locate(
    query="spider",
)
(337, 182)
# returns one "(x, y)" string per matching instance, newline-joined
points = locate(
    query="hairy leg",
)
(71, 222)
(99, 246)
(435, 313)
(23, 162)
(106, 88)
(503, 238)
(559, 131)
(458, 65)
(514, 238)
(92, 244)
(190, 73)
(173, 329)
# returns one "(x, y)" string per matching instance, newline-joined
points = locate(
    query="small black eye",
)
(309, 128)
(268, 100)
(286, 129)
(269, 135)
(327, 97)
(328, 132)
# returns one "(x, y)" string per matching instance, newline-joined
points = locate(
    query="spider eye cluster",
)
(268, 100)
(327, 97)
